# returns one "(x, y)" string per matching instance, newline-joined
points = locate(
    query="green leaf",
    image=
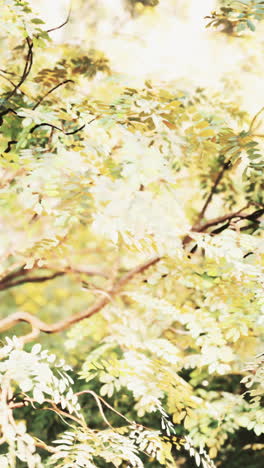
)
(251, 25)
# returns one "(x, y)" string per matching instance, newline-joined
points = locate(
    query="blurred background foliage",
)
(158, 82)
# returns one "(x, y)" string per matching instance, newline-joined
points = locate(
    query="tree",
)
(131, 248)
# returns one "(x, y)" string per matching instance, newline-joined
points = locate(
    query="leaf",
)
(170, 125)
(251, 25)
(207, 133)
(36, 349)
(37, 21)
(38, 395)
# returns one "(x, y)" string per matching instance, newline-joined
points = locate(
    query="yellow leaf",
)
(202, 124)
(213, 452)
(208, 132)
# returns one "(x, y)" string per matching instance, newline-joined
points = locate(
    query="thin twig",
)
(63, 413)
(228, 217)
(9, 145)
(254, 119)
(212, 192)
(97, 399)
(83, 392)
(51, 91)
(7, 72)
(40, 444)
(56, 128)
(220, 219)
(6, 111)
(27, 68)
(18, 277)
(61, 25)
(14, 273)
(8, 79)
(33, 279)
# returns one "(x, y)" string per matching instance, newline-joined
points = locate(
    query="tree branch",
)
(6, 111)
(27, 68)
(212, 192)
(51, 91)
(9, 145)
(20, 276)
(8, 79)
(45, 124)
(253, 217)
(254, 120)
(56, 128)
(220, 219)
(61, 25)
(32, 279)
(13, 274)
(40, 326)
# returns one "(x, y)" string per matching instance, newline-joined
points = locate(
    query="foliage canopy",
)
(131, 247)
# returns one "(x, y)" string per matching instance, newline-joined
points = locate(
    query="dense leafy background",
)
(131, 237)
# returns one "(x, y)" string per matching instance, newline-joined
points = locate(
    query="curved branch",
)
(254, 120)
(8, 79)
(61, 25)
(13, 274)
(6, 111)
(51, 91)
(45, 124)
(29, 279)
(53, 127)
(40, 326)
(9, 145)
(20, 276)
(220, 219)
(97, 399)
(212, 192)
(27, 68)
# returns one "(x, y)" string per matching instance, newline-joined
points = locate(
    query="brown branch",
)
(40, 326)
(27, 401)
(27, 67)
(7, 72)
(9, 145)
(40, 444)
(13, 274)
(51, 91)
(32, 279)
(253, 217)
(83, 271)
(6, 111)
(61, 25)
(98, 398)
(20, 404)
(62, 413)
(212, 192)
(49, 142)
(220, 219)
(8, 79)
(54, 127)
(45, 124)
(20, 276)
(254, 120)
